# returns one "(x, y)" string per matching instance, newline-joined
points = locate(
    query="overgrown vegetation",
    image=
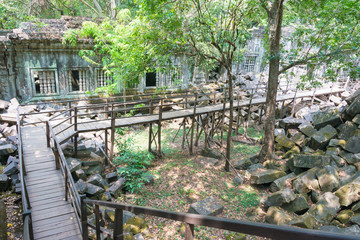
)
(132, 164)
(180, 180)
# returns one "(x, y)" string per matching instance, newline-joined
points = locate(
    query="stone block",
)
(96, 180)
(111, 177)
(266, 176)
(322, 137)
(299, 205)
(116, 187)
(349, 193)
(328, 117)
(284, 142)
(307, 181)
(280, 197)
(280, 183)
(74, 164)
(11, 168)
(353, 144)
(209, 207)
(326, 208)
(328, 178)
(290, 123)
(346, 130)
(354, 107)
(4, 182)
(7, 149)
(307, 129)
(310, 161)
(278, 216)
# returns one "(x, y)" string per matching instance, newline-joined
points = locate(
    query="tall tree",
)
(324, 32)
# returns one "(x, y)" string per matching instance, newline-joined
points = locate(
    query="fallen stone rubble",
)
(315, 179)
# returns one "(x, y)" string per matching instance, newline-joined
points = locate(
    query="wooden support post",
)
(66, 185)
(106, 150)
(205, 126)
(223, 118)
(118, 225)
(294, 102)
(283, 103)
(213, 120)
(313, 97)
(150, 126)
(107, 109)
(184, 122)
(189, 231)
(70, 111)
(57, 157)
(249, 111)
(184, 133)
(197, 131)
(47, 134)
(75, 129)
(97, 222)
(84, 224)
(261, 113)
(238, 113)
(113, 116)
(192, 127)
(159, 127)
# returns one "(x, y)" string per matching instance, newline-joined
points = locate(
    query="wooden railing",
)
(27, 219)
(71, 192)
(190, 220)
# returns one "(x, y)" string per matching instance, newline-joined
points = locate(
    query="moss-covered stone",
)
(285, 142)
(305, 221)
(310, 161)
(266, 176)
(344, 216)
(278, 216)
(322, 137)
(349, 193)
(136, 221)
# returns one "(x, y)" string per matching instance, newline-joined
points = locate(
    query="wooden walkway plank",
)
(53, 217)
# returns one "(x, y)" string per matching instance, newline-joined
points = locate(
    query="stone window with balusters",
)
(45, 82)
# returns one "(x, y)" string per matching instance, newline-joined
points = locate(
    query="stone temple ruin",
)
(36, 65)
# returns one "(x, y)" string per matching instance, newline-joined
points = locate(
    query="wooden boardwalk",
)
(53, 217)
(89, 126)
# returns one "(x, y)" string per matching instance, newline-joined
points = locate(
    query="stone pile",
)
(9, 164)
(315, 182)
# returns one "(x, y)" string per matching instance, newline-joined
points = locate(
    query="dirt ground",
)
(181, 179)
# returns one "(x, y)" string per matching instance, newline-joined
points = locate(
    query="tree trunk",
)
(113, 9)
(231, 101)
(274, 20)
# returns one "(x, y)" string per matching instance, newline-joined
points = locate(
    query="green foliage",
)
(132, 165)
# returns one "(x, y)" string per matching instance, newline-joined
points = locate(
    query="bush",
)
(132, 165)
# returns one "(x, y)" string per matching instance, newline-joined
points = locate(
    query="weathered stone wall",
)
(22, 58)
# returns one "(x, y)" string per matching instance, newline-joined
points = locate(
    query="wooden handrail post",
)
(57, 157)
(150, 126)
(118, 225)
(47, 134)
(192, 127)
(75, 129)
(294, 103)
(70, 111)
(84, 224)
(107, 109)
(66, 181)
(97, 222)
(159, 128)
(113, 116)
(75, 118)
(189, 231)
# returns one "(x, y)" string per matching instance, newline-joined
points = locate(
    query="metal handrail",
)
(253, 228)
